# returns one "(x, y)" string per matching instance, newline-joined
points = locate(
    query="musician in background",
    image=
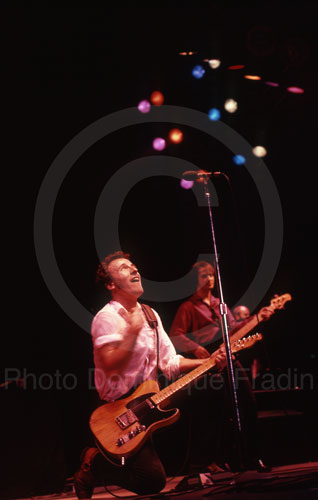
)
(259, 362)
(125, 355)
(195, 330)
(241, 312)
(196, 325)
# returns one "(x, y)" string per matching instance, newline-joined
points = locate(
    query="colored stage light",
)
(239, 159)
(159, 143)
(214, 114)
(144, 106)
(157, 98)
(272, 84)
(252, 77)
(214, 63)
(236, 66)
(198, 71)
(175, 135)
(186, 184)
(259, 151)
(295, 90)
(230, 105)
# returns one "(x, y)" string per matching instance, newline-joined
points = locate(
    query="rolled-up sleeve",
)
(105, 330)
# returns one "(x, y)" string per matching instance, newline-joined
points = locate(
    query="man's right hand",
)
(135, 320)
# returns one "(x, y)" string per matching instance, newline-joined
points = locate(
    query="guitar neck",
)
(244, 330)
(167, 392)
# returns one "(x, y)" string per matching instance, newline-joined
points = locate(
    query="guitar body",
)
(121, 428)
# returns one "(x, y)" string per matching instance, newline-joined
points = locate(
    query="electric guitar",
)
(120, 428)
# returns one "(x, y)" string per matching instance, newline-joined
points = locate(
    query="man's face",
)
(241, 312)
(125, 277)
(206, 278)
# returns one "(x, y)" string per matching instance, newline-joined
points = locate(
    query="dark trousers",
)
(143, 473)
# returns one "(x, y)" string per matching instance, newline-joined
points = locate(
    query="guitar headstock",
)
(279, 302)
(246, 342)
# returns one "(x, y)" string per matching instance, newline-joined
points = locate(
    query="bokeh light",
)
(175, 135)
(186, 184)
(198, 71)
(259, 151)
(252, 77)
(214, 114)
(230, 105)
(157, 98)
(295, 90)
(272, 84)
(214, 63)
(159, 143)
(236, 66)
(239, 159)
(144, 106)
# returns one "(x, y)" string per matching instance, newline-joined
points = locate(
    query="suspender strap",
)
(153, 323)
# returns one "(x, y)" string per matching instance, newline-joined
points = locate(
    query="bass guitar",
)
(276, 303)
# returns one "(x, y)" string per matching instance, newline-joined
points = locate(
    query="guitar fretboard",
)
(179, 384)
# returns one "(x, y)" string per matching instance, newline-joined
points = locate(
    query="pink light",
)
(144, 106)
(295, 90)
(272, 84)
(186, 184)
(159, 143)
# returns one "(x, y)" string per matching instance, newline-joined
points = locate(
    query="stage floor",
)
(296, 481)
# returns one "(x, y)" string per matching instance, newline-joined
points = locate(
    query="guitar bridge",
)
(126, 419)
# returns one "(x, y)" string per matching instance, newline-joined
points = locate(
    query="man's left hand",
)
(220, 358)
(265, 313)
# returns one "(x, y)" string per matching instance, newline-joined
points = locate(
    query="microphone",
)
(199, 175)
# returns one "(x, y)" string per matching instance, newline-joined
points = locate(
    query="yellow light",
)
(175, 135)
(214, 63)
(252, 77)
(230, 105)
(259, 151)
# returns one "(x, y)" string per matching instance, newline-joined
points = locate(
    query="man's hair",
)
(200, 264)
(102, 273)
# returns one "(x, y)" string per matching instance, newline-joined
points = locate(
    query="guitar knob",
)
(120, 442)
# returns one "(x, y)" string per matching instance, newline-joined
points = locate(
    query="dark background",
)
(64, 68)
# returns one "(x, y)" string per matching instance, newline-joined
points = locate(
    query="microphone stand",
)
(225, 333)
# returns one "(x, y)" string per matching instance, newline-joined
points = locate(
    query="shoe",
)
(83, 478)
(214, 468)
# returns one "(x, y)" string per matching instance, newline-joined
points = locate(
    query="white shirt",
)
(109, 326)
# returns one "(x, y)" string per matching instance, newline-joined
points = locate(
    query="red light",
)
(236, 66)
(157, 98)
(175, 135)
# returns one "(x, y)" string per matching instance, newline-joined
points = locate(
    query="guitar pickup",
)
(126, 419)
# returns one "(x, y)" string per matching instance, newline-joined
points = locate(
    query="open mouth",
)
(135, 280)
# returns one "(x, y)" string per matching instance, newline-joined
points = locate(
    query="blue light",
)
(239, 159)
(214, 114)
(198, 71)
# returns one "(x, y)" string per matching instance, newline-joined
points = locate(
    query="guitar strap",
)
(153, 323)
